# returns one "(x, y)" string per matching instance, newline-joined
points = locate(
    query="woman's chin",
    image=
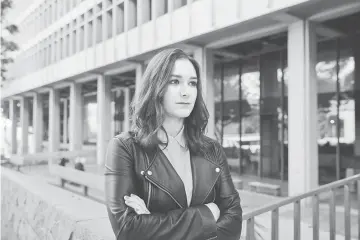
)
(182, 114)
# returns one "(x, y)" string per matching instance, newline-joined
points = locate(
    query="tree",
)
(7, 45)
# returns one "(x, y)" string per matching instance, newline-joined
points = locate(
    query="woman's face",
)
(181, 91)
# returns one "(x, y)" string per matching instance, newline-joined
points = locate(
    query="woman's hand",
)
(136, 203)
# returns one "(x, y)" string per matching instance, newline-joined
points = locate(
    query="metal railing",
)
(314, 194)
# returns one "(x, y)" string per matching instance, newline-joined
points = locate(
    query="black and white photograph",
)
(180, 119)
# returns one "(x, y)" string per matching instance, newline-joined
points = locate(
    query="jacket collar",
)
(205, 173)
(179, 138)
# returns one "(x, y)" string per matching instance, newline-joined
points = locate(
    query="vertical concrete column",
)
(113, 112)
(104, 116)
(156, 8)
(139, 71)
(132, 17)
(38, 122)
(13, 119)
(65, 120)
(64, 9)
(64, 44)
(71, 36)
(86, 30)
(54, 120)
(58, 47)
(126, 110)
(105, 24)
(126, 16)
(170, 6)
(24, 124)
(53, 13)
(205, 59)
(119, 107)
(53, 49)
(356, 51)
(114, 20)
(76, 117)
(302, 108)
(85, 117)
(142, 14)
(270, 101)
(177, 3)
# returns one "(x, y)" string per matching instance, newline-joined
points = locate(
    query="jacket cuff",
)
(209, 223)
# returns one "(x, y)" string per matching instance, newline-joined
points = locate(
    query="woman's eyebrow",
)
(179, 76)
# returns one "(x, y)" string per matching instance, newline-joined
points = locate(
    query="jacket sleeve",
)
(186, 223)
(229, 223)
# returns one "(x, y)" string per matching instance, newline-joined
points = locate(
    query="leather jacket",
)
(146, 172)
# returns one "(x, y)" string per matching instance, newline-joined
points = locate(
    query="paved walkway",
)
(249, 201)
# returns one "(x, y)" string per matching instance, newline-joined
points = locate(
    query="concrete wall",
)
(33, 209)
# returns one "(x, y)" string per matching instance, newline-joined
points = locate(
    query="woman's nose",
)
(184, 91)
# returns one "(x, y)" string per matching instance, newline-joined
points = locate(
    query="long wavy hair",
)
(148, 113)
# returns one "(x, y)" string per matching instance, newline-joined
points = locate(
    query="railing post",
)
(347, 226)
(275, 224)
(358, 206)
(297, 218)
(332, 219)
(315, 208)
(250, 229)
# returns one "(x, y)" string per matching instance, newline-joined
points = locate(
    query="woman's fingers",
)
(138, 198)
(133, 205)
(136, 203)
(137, 209)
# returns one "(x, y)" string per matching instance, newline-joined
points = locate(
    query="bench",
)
(267, 188)
(71, 175)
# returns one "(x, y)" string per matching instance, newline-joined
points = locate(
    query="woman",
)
(164, 178)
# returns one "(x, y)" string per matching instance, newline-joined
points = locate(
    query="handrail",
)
(289, 200)
(296, 200)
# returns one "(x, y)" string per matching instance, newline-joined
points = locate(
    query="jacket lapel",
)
(205, 174)
(164, 176)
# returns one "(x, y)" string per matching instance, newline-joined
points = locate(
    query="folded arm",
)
(230, 222)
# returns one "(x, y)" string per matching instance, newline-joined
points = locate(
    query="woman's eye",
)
(194, 84)
(174, 81)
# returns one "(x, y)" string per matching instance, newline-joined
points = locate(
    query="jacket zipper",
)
(149, 186)
(211, 188)
(163, 190)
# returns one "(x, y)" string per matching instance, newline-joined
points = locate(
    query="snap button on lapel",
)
(149, 173)
(142, 172)
(217, 169)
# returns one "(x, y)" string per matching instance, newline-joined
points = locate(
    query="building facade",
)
(281, 78)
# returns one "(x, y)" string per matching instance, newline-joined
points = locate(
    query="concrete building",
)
(282, 76)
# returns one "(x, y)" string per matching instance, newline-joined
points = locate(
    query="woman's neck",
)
(173, 125)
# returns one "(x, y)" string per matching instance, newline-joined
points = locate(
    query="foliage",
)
(7, 45)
